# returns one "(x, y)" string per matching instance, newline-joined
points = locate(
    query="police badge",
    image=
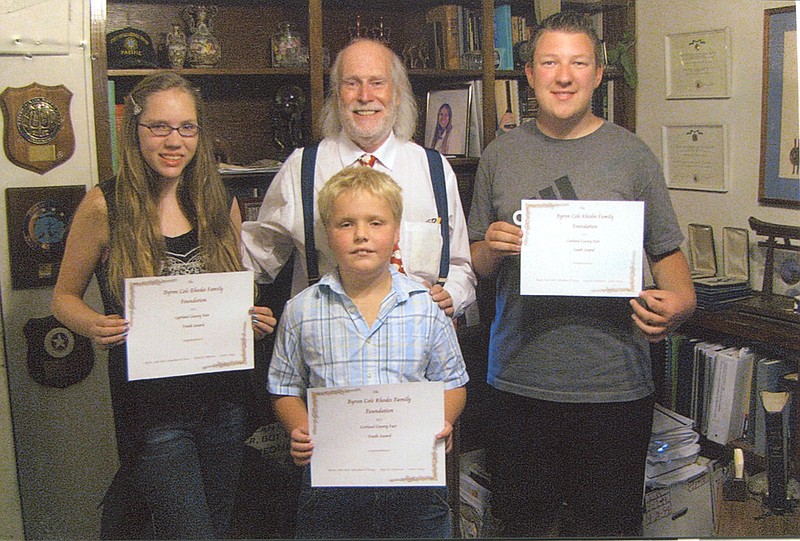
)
(38, 129)
(57, 357)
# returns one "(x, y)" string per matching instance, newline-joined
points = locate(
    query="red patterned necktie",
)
(369, 161)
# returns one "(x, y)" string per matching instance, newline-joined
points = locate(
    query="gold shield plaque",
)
(38, 128)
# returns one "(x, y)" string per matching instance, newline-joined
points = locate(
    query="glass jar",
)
(287, 47)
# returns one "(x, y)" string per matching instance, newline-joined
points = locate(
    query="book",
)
(475, 140)
(113, 125)
(502, 36)
(447, 17)
(730, 394)
(776, 406)
(506, 94)
(706, 357)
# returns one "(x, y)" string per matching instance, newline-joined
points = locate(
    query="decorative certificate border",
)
(698, 65)
(696, 157)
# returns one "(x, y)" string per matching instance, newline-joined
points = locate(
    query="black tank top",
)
(143, 403)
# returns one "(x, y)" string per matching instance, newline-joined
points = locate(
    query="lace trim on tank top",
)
(183, 255)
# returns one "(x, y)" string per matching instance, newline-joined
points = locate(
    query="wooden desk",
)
(751, 324)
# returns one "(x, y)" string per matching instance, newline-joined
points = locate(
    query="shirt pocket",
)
(421, 248)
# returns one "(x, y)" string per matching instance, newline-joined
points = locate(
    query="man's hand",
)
(447, 435)
(502, 239)
(301, 446)
(263, 321)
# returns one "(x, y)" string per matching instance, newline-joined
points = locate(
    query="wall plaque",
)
(38, 222)
(38, 128)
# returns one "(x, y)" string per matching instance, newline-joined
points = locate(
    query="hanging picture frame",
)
(779, 171)
(696, 157)
(447, 120)
(698, 65)
(38, 223)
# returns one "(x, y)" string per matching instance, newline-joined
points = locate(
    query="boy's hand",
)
(446, 434)
(301, 446)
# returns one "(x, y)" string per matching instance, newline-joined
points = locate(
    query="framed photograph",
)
(38, 223)
(447, 120)
(698, 65)
(696, 157)
(779, 181)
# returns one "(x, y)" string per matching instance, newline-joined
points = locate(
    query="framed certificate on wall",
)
(698, 65)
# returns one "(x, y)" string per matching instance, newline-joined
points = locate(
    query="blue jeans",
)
(188, 471)
(372, 512)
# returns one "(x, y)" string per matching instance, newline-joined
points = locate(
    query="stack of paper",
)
(475, 496)
(673, 451)
(262, 166)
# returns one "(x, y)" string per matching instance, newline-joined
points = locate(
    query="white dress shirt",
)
(269, 241)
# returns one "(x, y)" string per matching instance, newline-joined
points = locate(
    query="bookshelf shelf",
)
(241, 86)
(774, 335)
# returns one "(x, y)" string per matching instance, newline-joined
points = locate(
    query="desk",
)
(741, 322)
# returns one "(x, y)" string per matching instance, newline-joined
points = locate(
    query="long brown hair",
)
(137, 244)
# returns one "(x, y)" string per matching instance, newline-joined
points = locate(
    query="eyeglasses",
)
(163, 130)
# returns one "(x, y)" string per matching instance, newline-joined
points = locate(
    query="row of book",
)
(721, 387)
(459, 29)
(515, 103)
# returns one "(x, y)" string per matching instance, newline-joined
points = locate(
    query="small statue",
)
(287, 117)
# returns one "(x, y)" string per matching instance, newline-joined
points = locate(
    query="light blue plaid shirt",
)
(323, 341)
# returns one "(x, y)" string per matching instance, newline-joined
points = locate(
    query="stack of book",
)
(718, 292)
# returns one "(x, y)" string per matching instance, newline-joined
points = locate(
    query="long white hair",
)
(406, 123)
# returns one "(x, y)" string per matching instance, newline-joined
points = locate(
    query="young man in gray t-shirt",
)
(571, 375)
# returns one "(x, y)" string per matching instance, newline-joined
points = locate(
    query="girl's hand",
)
(263, 321)
(109, 331)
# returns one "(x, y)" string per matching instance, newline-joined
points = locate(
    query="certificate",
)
(698, 65)
(581, 248)
(189, 324)
(695, 157)
(377, 435)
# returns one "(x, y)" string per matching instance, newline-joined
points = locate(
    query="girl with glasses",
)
(180, 439)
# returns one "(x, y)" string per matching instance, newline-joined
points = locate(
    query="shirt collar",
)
(402, 288)
(349, 152)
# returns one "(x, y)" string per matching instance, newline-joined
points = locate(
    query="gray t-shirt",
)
(569, 349)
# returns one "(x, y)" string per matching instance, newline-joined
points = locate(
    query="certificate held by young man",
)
(581, 248)
(377, 435)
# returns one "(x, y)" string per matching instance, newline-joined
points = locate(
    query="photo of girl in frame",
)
(447, 121)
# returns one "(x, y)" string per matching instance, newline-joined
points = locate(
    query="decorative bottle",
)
(203, 48)
(287, 47)
(176, 47)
